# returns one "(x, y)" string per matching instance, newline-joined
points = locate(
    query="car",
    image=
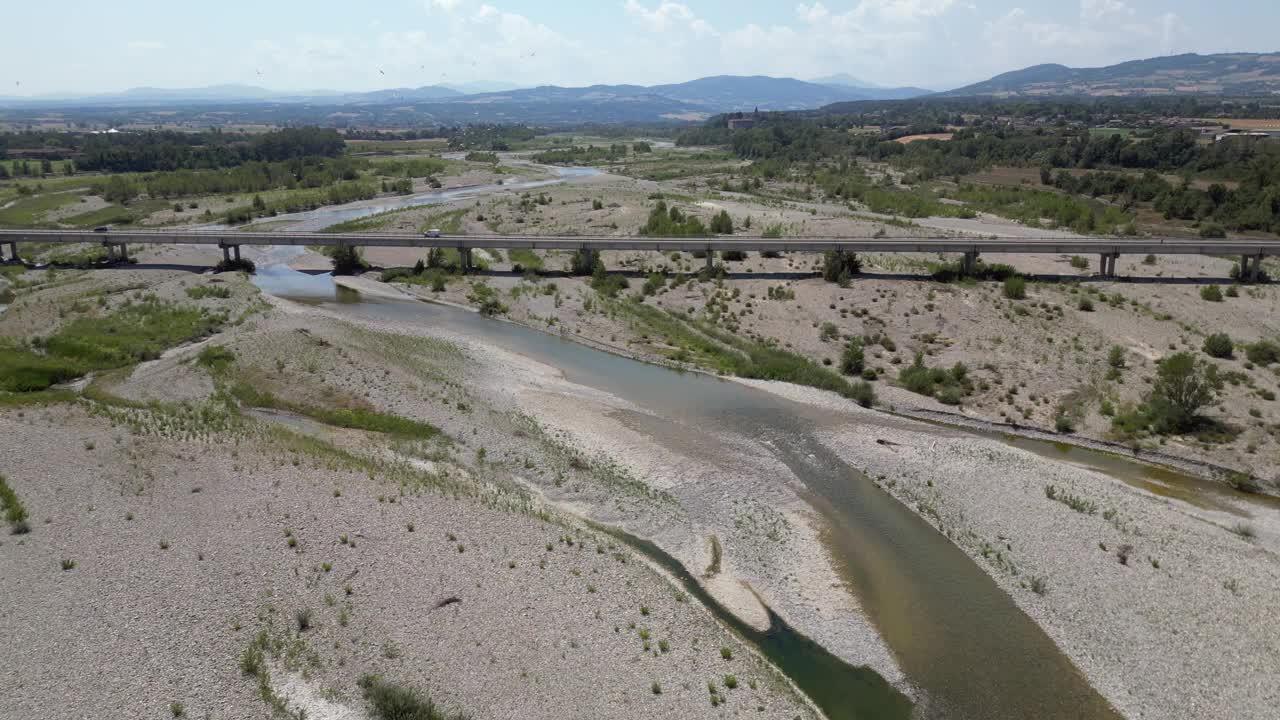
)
(432, 233)
(101, 228)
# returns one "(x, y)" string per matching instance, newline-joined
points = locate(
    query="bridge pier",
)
(969, 265)
(124, 252)
(1107, 264)
(13, 254)
(711, 259)
(464, 256)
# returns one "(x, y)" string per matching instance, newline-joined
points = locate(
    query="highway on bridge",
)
(1109, 248)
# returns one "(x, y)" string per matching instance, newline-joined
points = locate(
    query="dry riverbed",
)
(169, 541)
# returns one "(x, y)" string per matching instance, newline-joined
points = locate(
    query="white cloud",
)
(146, 45)
(445, 5)
(1105, 10)
(666, 16)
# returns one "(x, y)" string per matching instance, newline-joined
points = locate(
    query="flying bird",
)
(381, 72)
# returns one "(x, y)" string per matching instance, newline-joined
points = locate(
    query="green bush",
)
(1212, 230)
(1079, 263)
(1085, 305)
(388, 701)
(1182, 388)
(1211, 293)
(1263, 352)
(584, 262)
(852, 361)
(1015, 288)
(346, 260)
(840, 267)
(1218, 345)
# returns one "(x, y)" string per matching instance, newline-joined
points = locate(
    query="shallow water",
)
(959, 638)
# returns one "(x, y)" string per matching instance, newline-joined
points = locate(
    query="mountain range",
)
(707, 95)
(1224, 74)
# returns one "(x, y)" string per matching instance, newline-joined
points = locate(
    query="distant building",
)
(740, 121)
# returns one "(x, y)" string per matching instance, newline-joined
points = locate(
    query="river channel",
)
(960, 639)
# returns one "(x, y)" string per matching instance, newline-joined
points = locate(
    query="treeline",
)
(165, 150)
(311, 172)
(578, 155)
(155, 150)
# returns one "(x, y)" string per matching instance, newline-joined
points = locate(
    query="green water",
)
(841, 690)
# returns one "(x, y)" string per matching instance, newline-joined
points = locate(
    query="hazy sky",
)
(352, 45)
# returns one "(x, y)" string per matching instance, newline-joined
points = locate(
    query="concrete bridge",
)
(1108, 249)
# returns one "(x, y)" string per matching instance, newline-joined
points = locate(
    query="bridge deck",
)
(1109, 245)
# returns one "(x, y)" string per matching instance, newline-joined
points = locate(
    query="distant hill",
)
(867, 90)
(1225, 74)
(689, 101)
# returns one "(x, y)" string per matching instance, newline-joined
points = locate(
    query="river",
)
(959, 638)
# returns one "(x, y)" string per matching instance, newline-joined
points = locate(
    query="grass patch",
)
(1075, 502)
(729, 354)
(526, 259)
(448, 222)
(389, 701)
(201, 292)
(133, 333)
(14, 512)
(354, 418)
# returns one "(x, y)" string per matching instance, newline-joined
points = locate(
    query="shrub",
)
(215, 357)
(1211, 293)
(1218, 345)
(840, 267)
(1263, 352)
(1079, 263)
(852, 361)
(1015, 288)
(1085, 305)
(726, 653)
(733, 255)
(346, 260)
(1212, 230)
(389, 701)
(584, 262)
(1039, 585)
(234, 265)
(1116, 357)
(303, 619)
(863, 394)
(828, 331)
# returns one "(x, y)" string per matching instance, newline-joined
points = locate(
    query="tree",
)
(1183, 386)
(346, 260)
(839, 266)
(419, 267)
(585, 262)
(1218, 345)
(722, 224)
(435, 257)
